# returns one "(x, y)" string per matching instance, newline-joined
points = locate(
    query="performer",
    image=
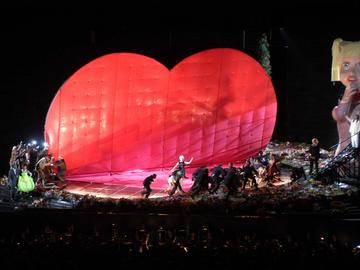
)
(177, 185)
(13, 171)
(314, 151)
(346, 68)
(272, 170)
(231, 180)
(201, 180)
(354, 130)
(44, 169)
(249, 173)
(181, 164)
(60, 169)
(262, 158)
(25, 182)
(218, 175)
(147, 182)
(171, 182)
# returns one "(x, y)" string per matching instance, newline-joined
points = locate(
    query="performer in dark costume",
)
(201, 180)
(314, 151)
(262, 158)
(249, 173)
(218, 174)
(147, 182)
(230, 180)
(181, 165)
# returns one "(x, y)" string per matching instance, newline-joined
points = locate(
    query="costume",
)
(354, 132)
(25, 182)
(314, 151)
(147, 182)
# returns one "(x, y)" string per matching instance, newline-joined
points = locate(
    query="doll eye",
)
(346, 66)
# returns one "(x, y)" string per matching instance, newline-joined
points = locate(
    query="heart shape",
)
(126, 111)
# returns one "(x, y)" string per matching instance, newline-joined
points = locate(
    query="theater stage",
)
(129, 185)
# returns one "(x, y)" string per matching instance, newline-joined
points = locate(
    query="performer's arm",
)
(175, 166)
(188, 162)
(340, 112)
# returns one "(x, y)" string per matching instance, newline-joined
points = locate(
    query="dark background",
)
(41, 46)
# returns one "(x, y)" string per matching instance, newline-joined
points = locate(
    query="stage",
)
(129, 185)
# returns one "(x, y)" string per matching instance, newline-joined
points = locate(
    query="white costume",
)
(354, 132)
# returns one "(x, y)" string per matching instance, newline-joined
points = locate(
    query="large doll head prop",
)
(340, 50)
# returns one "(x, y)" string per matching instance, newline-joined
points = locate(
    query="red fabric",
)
(126, 111)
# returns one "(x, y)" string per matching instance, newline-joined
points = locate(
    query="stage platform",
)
(130, 184)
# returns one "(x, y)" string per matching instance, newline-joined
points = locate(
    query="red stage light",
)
(127, 111)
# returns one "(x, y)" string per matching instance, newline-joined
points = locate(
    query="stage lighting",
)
(33, 142)
(45, 144)
(356, 250)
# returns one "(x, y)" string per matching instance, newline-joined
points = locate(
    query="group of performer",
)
(31, 167)
(266, 168)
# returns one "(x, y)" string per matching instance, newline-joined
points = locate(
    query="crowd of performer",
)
(32, 167)
(262, 168)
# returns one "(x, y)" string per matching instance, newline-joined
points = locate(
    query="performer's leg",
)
(303, 172)
(253, 179)
(176, 185)
(148, 191)
(317, 166)
(42, 178)
(311, 165)
(215, 188)
(180, 187)
(12, 181)
(355, 141)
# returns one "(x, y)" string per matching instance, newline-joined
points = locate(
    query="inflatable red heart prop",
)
(126, 111)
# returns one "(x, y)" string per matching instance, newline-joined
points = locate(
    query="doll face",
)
(350, 72)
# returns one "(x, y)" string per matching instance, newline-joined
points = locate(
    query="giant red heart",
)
(126, 111)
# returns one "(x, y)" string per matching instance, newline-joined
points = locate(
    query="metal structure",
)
(345, 167)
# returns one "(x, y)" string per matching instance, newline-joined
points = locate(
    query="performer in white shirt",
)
(354, 131)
